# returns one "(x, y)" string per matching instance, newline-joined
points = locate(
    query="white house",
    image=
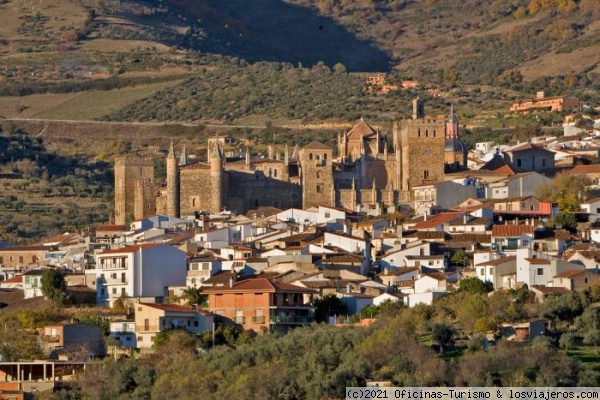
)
(138, 271)
(124, 332)
(397, 258)
(433, 282)
(534, 268)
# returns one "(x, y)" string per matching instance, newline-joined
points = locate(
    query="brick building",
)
(262, 305)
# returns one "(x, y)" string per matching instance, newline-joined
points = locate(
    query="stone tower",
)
(173, 203)
(217, 179)
(134, 182)
(421, 143)
(317, 175)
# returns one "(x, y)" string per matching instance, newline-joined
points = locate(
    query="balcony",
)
(258, 320)
(291, 320)
(240, 320)
(51, 338)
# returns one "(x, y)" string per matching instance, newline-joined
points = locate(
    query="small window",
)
(543, 162)
(518, 162)
(310, 156)
(540, 271)
(140, 339)
(426, 174)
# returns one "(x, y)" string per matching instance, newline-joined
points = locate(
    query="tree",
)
(475, 285)
(567, 340)
(566, 189)
(193, 296)
(564, 220)
(54, 286)
(443, 334)
(327, 306)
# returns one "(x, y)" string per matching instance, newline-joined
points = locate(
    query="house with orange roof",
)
(502, 272)
(439, 222)
(142, 271)
(542, 103)
(392, 278)
(22, 256)
(152, 318)
(510, 237)
(262, 305)
(591, 171)
(577, 280)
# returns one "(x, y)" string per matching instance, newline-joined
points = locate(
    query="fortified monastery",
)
(369, 171)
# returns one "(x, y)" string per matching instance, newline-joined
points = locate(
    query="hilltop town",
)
(282, 199)
(233, 247)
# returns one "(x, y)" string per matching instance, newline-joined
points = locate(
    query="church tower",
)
(217, 179)
(173, 203)
(455, 151)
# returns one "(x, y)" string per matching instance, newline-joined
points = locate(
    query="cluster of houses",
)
(263, 270)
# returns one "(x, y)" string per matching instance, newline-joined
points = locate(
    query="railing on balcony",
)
(51, 338)
(240, 320)
(288, 319)
(258, 319)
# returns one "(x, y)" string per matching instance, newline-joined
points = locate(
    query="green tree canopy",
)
(327, 306)
(475, 285)
(54, 286)
(566, 189)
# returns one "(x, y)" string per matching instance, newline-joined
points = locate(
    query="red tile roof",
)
(260, 284)
(130, 249)
(173, 308)
(570, 273)
(585, 169)
(110, 228)
(511, 230)
(436, 220)
(538, 261)
(497, 261)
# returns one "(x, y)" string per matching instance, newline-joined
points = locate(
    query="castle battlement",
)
(133, 161)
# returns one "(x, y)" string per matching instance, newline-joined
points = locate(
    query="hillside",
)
(293, 61)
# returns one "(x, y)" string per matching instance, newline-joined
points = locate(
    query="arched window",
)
(419, 132)
(318, 157)
(434, 133)
(325, 156)
(275, 173)
(426, 132)
(319, 174)
(310, 156)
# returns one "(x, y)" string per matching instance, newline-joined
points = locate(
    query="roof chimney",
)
(425, 216)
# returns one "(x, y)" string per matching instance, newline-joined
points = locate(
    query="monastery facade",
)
(370, 170)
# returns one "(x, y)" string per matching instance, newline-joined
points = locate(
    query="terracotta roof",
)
(61, 238)
(25, 248)
(511, 230)
(102, 228)
(551, 290)
(260, 284)
(316, 146)
(361, 129)
(436, 220)
(474, 221)
(528, 146)
(400, 271)
(585, 169)
(342, 258)
(173, 308)
(469, 238)
(537, 261)
(497, 261)
(262, 212)
(15, 279)
(570, 273)
(130, 249)
(440, 276)
(499, 165)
